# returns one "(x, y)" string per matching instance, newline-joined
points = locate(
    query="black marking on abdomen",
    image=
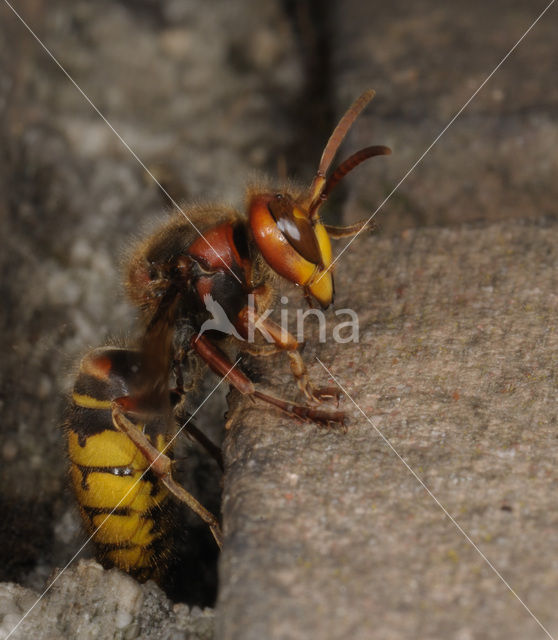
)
(112, 511)
(86, 421)
(106, 547)
(113, 471)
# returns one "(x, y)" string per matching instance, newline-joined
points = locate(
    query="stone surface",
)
(330, 535)
(426, 59)
(87, 602)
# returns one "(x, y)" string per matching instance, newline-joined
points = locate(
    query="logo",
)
(342, 332)
(220, 321)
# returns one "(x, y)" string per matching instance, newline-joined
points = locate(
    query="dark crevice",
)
(24, 538)
(313, 114)
(192, 567)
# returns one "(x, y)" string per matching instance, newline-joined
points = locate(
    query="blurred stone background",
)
(455, 293)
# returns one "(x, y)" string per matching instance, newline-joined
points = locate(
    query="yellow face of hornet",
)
(296, 247)
(288, 230)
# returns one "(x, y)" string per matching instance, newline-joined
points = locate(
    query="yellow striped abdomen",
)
(124, 507)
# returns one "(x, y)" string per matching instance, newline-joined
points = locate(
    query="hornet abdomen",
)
(125, 509)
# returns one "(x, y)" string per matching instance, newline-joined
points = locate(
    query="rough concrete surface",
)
(426, 59)
(210, 96)
(88, 603)
(329, 535)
